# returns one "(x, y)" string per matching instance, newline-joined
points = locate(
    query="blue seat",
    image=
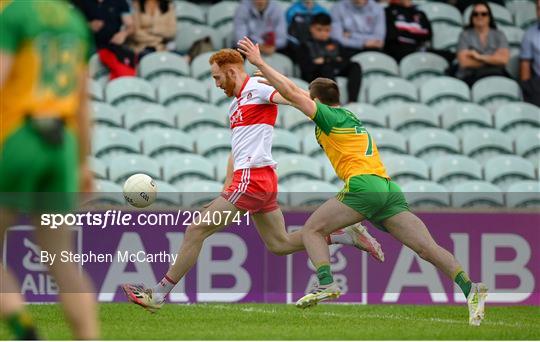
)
(103, 114)
(389, 141)
(528, 145)
(311, 192)
(284, 142)
(419, 67)
(148, 116)
(517, 116)
(503, 171)
(408, 118)
(371, 116)
(161, 143)
(123, 92)
(294, 167)
(477, 194)
(463, 117)
(482, 144)
(431, 143)
(452, 170)
(391, 90)
(110, 142)
(441, 91)
(186, 168)
(122, 167)
(426, 194)
(176, 91)
(157, 65)
(404, 168)
(524, 194)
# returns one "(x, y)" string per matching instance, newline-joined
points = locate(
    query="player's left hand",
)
(251, 51)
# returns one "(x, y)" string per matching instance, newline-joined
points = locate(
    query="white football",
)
(140, 190)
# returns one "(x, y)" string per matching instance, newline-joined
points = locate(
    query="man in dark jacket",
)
(408, 29)
(321, 56)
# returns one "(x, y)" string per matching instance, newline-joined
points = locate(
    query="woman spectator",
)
(155, 25)
(482, 49)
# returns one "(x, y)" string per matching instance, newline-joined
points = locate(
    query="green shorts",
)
(36, 175)
(374, 197)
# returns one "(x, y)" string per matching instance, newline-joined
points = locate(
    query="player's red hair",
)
(226, 56)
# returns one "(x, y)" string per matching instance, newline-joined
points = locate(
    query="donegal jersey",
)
(347, 143)
(49, 42)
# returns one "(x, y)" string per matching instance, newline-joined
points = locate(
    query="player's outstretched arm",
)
(290, 91)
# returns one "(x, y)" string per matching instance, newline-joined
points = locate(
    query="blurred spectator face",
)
(320, 32)
(406, 3)
(480, 16)
(359, 3)
(309, 3)
(260, 5)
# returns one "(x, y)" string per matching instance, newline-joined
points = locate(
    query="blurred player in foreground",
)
(44, 47)
(251, 183)
(368, 193)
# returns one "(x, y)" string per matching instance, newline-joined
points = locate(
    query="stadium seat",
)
(462, 117)
(300, 82)
(178, 90)
(167, 195)
(426, 194)
(431, 143)
(404, 168)
(438, 12)
(187, 34)
(514, 35)
(200, 68)
(506, 170)
(221, 167)
(223, 36)
(214, 143)
(442, 91)
(189, 12)
(198, 193)
(108, 142)
(375, 65)
(98, 168)
(278, 61)
(106, 193)
(328, 170)
(408, 118)
(528, 145)
(419, 67)
(451, 170)
(95, 91)
(389, 141)
(198, 117)
(97, 70)
(122, 167)
(217, 96)
(221, 13)
(524, 194)
(482, 144)
(495, 90)
(294, 167)
(311, 147)
(500, 13)
(103, 114)
(157, 65)
(123, 92)
(445, 37)
(390, 90)
(524, 13)
(514, 117)
(371, 116)
(186, 168)
(295, 121)
(285, 142)
(161, 143)
(311, 192)
(283, 195)
(148, 116)
(477, 194)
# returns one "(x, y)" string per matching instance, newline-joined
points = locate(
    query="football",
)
(140, 190)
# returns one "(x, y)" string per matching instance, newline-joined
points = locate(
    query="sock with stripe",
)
(462, 279)
(21, 325)
(163, 288)
(324, 274)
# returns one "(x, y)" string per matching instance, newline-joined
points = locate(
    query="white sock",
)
(162, 289)
(340, 236)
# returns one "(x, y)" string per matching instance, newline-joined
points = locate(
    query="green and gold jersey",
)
(346, 142)
(50, 43)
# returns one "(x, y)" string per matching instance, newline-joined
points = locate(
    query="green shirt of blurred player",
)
(44, 47)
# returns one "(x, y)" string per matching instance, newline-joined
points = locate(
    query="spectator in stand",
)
(358, 25)
(112, 24)
(262, 21)
(408, 29)
(482, 49)
(155, 25)
(299, 17)
(320, 56)
(530, 62)
(463, 4)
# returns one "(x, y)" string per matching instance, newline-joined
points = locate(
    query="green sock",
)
(325, 275)
(463, 281)
(21, 326)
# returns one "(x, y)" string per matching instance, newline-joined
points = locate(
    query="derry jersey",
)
(252, 116)
(348, 145)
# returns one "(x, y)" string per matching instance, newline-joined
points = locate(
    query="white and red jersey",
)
(252, 115)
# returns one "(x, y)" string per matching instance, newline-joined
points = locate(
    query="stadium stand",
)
(311, 192)
(295, 167)
(185, 168)
(426, 194)
(104, 114)
(473, 194)
(122, 167)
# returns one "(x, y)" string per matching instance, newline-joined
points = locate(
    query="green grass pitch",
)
(277, 321)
